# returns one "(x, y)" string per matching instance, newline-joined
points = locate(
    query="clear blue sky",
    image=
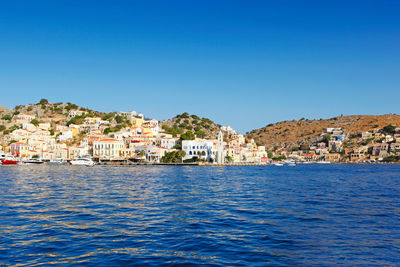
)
(242, 63)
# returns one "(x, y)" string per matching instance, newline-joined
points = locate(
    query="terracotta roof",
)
(108, 140)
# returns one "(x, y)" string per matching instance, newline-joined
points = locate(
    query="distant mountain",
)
(201, 127)
(289, 134)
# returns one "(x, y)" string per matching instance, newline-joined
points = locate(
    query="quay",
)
(130, 163)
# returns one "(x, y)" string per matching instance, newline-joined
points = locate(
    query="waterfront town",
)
(65, 132)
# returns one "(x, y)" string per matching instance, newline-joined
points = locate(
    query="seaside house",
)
(395, 147)
(200, 148)
(152, 153)
(332, 157)
(77, 152)
(108, 149)
(19, 149)
(168, 143)
(309, 157)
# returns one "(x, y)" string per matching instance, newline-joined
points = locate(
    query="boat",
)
(32, 161)
(57, 162)
(277, 164)
(291, 163)
(83, 162)
(2, 155)
(9, 161)
(323, 162)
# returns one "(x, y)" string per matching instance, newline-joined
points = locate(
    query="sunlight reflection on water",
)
(307, 215)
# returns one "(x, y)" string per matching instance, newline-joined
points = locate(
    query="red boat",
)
(9, 162)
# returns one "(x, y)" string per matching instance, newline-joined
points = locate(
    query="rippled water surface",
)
(106, 216)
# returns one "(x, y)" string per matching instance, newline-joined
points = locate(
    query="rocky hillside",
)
(3, 108)
(201, 127)
(55, 113)
(289, 134)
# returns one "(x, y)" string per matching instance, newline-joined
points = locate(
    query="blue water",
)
(318, 215)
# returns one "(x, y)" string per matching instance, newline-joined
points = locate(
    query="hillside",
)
(46, 111)
(201, 127)
(53, 113)
(3, 109)
(289, 134)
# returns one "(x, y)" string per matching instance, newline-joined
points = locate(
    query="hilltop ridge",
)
(202, 127)
(289, 134)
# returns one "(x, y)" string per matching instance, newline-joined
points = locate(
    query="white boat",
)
(57, 162)
(277, 164)
(291, 163)
(323, 162)
(32, 161)
(83, 162)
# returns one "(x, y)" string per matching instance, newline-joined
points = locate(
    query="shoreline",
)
(213, 165)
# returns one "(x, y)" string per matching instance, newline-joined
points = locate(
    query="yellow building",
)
(137, 122)
(108, 149)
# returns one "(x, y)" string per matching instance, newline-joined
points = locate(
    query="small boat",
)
(83, 162)
(57, 162)
(277, 164)
(291, 163)
(323, 162)
(32, 161)
(9, 162)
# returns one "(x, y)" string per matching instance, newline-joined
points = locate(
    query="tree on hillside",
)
(107, 116)
(389, 129)
(200, 134)
(76, 120)
(6, 117)
(35, 122)
(184, 115)
(71, 106)
(327, 138)
(189, 135)
(119, 119)
(43, 101)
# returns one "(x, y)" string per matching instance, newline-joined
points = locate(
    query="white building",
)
(75, 112)
(24, 117)
(168, 143)
(28, 126)
(228, 129)
(220, 149)
(66, 135)
(44, 126)
(203, 149)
